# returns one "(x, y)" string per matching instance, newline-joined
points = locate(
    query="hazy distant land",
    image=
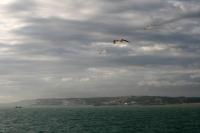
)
(108, 101)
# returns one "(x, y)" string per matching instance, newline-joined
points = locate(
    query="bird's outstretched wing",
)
(123, 40)
(120, 41)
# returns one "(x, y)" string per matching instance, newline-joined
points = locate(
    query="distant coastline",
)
(110, 101)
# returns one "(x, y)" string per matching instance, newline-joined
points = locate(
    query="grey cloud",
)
(190, 15)
(131, 6)
(22, 6)
(56, 54)
(68, 30)
(153, 60)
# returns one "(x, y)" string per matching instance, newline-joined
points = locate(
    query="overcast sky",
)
(63, 48)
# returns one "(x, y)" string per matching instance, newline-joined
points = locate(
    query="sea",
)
(112, 119)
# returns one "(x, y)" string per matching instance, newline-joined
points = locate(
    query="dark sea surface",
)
(126, 119)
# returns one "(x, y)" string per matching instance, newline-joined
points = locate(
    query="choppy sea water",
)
(146, 119)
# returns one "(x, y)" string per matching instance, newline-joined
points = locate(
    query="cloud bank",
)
(51, 48)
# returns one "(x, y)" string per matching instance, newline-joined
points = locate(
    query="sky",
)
(64, 48)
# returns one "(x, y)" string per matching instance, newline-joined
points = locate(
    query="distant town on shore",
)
(110, 101)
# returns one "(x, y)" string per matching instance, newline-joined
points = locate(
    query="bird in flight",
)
(120, 41)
